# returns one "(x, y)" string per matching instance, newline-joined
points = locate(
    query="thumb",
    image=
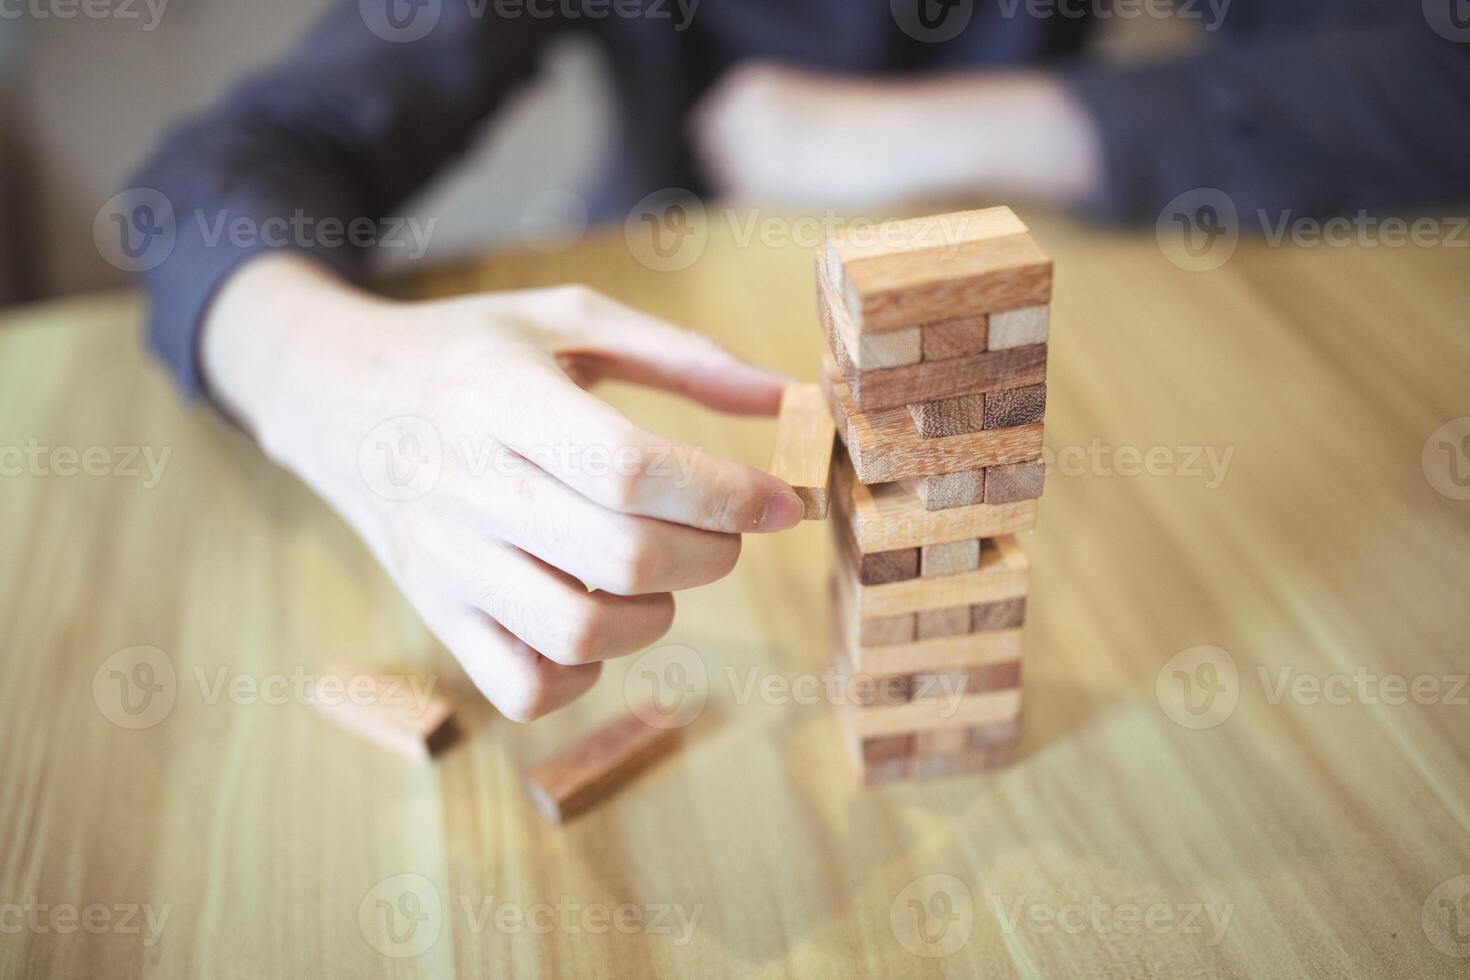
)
(615, 341)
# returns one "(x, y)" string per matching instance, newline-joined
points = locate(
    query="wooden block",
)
(380, 707)
(992, 677)
(950, 416)
(863, 352)
(938, 701)
(937, 686)
(1019, 328)
(867, 690)
(932, 685)
(878, 567)
(1014, 482)
(961, 751)
(951, 621)
(931, 236)
(887, 747)
(888, 566)
(1008, 614)
(886, 771)
(963, 651)
(965, 336)
(887, 630)
(949, 558)
(803, 454)
(591, 768)
(1002, 574)
(906, 289)
(940, 742)
(891, 515)
(991, 370)
(878, 760)
(938, 765)
(906, 655)
(1015, 406)
(977, 709)
(948, 490)
(999, 733)
(884, 447)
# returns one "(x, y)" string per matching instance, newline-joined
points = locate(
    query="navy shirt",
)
(1312, 105)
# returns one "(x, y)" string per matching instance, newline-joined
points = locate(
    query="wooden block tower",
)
(937, 385)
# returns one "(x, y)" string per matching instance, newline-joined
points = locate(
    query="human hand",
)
(773, 133)
(537, 492)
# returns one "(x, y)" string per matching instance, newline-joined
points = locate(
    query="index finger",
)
(597, 451)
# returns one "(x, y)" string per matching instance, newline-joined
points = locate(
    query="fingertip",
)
(739, 388)
(782, 512)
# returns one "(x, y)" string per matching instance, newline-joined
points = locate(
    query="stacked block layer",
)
(936, 381)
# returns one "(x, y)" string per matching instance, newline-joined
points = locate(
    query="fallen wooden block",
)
(383, 708)
(803, 453)
(886, 516)
(884, 447)
(593, 767)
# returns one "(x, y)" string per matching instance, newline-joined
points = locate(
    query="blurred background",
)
(69, 138)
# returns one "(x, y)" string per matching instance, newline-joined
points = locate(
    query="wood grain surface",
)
(884, 446)
(1333, 835)
(802, 456)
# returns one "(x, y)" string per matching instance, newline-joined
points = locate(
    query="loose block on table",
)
(378, 706)
(595, 765)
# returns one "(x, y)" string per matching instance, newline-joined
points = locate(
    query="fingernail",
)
(783, 510)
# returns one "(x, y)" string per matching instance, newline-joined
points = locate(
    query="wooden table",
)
(1291, 836)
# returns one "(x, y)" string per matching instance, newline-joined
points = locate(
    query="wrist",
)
(271, 339)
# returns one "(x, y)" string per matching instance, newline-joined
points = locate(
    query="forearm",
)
(1361, 117)
(1011, 135)
(776, 133)
(334, 137)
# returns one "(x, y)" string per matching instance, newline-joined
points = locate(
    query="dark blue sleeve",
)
(1313, 122)
(357, 117)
